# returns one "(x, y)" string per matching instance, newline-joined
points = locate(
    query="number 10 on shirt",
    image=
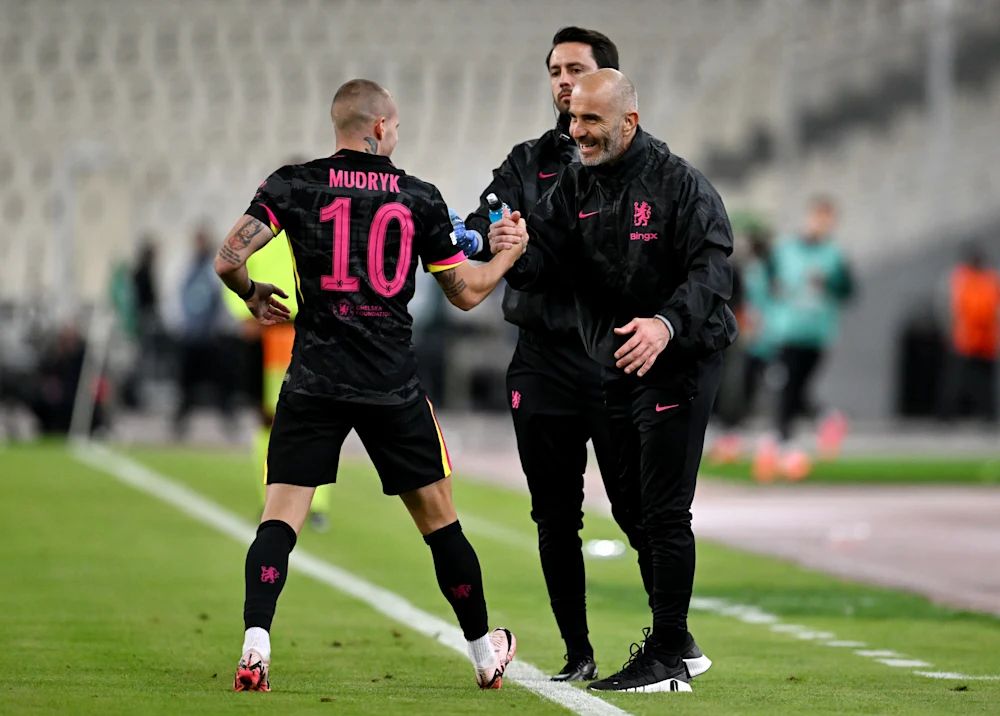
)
(339, 212)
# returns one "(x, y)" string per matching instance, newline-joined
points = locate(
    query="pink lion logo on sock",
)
(269, 575)
(515, 399)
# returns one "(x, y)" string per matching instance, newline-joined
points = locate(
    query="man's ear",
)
(630, 123)
(379, 129)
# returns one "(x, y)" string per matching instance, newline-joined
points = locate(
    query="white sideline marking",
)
(754, 615)
(903, 663)
(388, 603)
(955, 676)
(814, 635)
(789, 628)
(750, 614)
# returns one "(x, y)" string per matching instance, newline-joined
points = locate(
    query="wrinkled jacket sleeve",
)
(705, 239)
(550, 253)
(507, 185)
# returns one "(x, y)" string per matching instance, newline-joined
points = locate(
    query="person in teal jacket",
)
(812, 281)
(753, 303)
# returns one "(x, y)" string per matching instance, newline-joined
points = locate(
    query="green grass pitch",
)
(113, 602)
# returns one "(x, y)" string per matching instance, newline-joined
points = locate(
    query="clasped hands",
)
(511, 232)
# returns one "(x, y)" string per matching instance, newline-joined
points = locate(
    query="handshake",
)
(509, 232)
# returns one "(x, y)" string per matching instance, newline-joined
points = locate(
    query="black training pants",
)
(658, 432)
(556, 405)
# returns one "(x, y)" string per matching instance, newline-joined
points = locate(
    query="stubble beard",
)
(614, 147)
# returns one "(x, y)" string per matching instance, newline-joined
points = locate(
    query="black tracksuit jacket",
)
(646, 234)
(529, 171)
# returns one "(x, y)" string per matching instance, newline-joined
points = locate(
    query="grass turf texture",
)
(116, 603)
(985, 471)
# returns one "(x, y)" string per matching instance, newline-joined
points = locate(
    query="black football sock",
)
(266, 570)
(460, 578)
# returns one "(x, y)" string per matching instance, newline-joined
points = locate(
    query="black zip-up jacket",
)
(528, 172)
(641, 236)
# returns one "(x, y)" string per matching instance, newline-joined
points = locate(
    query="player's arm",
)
(466, 285)
(247, 236)
(507, 185)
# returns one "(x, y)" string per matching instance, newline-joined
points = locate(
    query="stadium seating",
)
(125, 117)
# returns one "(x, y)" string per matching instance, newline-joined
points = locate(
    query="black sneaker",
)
(695, 661)
(578, 668)
(643, 673)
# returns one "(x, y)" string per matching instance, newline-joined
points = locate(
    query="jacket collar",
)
(560, 142)
(361, 156)
(628, 165)
(562, 126)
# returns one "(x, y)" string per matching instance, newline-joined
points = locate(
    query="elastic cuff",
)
(284, 527)
(443, 533)
(477, 243)
(667, 323)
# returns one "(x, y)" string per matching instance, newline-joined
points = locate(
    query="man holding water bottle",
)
(553, 386)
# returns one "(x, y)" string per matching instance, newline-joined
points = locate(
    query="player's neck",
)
(366, 145)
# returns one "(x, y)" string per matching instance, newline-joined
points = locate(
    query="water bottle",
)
(496, 207)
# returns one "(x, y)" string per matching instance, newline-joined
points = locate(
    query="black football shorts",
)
(404, 442)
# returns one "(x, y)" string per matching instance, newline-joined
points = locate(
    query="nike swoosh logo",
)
(589, 214)
(661, 408)
(544, 175)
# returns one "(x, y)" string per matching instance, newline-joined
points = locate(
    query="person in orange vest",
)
(273, 264)
(970, 385)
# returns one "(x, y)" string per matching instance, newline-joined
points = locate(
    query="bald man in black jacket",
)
(643, 240)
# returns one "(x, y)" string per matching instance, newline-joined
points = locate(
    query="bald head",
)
(612, 86)
(363, 112)
(604, 114)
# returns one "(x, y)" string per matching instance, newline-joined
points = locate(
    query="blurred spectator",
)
(121, 293)
(202, 316)
(136, 300)
(812, 281)
(746, 361)
(51, 392)
(970, 383)
(921, 358)
(758, 325)
(58, 377)
(144, 284)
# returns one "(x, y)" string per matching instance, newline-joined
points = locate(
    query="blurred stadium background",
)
(132, 119)
(130, 124)
(140, 124)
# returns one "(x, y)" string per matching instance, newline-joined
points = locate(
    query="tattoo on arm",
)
(244, 235)
(451, 284)
(229, 256)
(234, 251)
(372, 145)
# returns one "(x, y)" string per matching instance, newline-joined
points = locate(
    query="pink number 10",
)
(339, 212)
